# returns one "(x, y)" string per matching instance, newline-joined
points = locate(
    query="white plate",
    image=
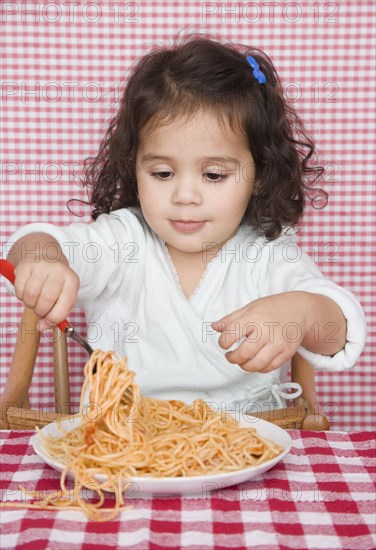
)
(195, 485)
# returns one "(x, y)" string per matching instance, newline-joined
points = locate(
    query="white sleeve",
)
(102, 253)
(283, 267)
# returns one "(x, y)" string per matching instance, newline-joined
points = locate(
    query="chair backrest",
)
(14, 400)
(15, 412)
(306, 413)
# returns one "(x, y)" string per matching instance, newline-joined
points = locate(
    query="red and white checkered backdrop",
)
(64, 67)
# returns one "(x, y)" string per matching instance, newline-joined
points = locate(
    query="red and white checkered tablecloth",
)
(322, 495)
(63, 69)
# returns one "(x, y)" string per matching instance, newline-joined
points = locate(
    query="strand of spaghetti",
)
(124, 435)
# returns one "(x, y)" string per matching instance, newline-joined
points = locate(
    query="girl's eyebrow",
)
(151, 156)
(220, 159)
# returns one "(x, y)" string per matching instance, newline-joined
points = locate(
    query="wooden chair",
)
(305, 413)
(14, 400)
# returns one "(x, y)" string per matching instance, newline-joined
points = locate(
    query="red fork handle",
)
(7, 270)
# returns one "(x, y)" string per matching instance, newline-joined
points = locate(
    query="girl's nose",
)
(187, 190)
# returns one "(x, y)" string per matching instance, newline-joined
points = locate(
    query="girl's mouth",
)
(187, 226)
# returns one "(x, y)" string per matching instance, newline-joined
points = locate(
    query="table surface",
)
(322, 495)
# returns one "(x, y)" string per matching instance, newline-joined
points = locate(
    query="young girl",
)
(190, 266)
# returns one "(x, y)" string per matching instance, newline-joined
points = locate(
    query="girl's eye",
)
(214, 177)
(165, 175)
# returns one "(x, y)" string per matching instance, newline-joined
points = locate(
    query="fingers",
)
(229, 324)
(55, 303)
(43, 324)
(41, 295)
(232, 332)
(26, 292)
(264, 331)
(48, 289)
(260, 358)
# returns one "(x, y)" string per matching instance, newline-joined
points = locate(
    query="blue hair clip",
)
(257, 72)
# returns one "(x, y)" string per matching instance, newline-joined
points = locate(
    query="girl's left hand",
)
(270, 329)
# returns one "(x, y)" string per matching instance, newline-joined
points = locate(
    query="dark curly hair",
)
(203, 73)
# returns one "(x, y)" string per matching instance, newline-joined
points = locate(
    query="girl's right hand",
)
(48, 288)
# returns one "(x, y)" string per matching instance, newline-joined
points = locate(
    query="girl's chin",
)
(185, 249)
(206, 249)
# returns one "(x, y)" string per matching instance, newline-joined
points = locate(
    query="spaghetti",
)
(123, 435)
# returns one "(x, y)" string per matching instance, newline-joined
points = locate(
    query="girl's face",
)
(195, 179)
